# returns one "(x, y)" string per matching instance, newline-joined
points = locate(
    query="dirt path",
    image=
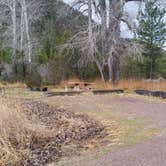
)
(148, 153)
(151, 152)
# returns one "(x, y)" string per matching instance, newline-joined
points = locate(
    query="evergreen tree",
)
(152, 33)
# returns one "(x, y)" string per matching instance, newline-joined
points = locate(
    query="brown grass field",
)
(128, 85)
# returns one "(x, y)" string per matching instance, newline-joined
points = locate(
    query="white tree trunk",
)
(103, 14)
(14, 29)
(22, 31)
(91, 40)
(26, 26)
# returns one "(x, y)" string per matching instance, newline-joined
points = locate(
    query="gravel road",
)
(151, 152)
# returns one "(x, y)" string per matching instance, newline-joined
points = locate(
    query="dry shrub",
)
(16, 133)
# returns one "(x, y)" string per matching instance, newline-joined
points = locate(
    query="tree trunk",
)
(116, 69)
(91, 40)
(24, 8)
(115, 15)
(22, 30)
(110, 67)
(14, 28)
(103, 13)
(101, 72)
(151, 69)
(23, 66)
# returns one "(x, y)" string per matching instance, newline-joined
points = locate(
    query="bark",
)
(110, 64)
(22, 31)
(14, 29)
(103, 13)
(115, 15)
(27, 31)
(152, 68)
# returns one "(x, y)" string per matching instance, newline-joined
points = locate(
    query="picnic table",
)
(77, 86)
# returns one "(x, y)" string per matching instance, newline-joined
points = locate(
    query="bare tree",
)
(105, 44)
(22, 13)
(30, 12)
(91, 40)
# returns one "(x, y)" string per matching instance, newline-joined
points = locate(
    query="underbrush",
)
(32, 133)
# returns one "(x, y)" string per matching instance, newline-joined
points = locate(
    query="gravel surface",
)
(151, 152)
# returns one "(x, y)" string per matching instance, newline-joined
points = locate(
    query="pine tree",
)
(152, 33)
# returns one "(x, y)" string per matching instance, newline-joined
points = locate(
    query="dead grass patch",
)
(16, 133)
(32, 133)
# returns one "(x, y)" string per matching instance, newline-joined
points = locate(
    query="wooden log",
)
(157, 93)
(70, 93)
(118, 91)
(160, 94)
(143, 92)
(164, 95)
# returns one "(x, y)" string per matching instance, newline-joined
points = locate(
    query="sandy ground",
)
(151, 152)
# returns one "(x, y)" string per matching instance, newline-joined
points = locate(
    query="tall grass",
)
(131, 84)
(12, 85)
(158, 85)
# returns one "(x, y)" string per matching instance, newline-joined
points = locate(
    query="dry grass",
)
(131, 84)
(138, 84)
(128, 85)
(12, 85)
(33, 133)
(16, 133)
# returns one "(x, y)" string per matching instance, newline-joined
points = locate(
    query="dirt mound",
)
(66, 127)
